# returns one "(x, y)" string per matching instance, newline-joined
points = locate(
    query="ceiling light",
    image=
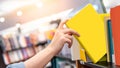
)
(19, 13)
(10, 5)
(2, 19)
(18, 25)
(39, 4)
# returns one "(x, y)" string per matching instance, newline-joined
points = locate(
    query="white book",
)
(5, 58)
(75, 50)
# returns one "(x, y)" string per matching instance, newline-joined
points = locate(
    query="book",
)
(105, 17)
(75, 49)
(30, 51)
(6, 58)
(19, 54)
(16, 58)
(12, 42)
(83, 55)
(7, 43)
(77, 52)
(92, 32)
(11, 56)
(110, 40)
(28, 42)
(115, 22)
(24, 53)
(22, 41)
(14, 37)
(2, 43)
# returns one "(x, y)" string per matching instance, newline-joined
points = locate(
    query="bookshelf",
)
(17, 45)
(13, 52)
(13, 55)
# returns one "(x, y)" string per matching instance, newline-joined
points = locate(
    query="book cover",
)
(11, 56)
(20, 55)
(92, 32)
(28, 42)
(75, 49)
(12, 42)
(24, 53)
(14, 37)
(83, 55)
(115, 21)
(6, 58)
(110, 40)
(22, 41)
(2, 43)
(16, 58)
(7, 43)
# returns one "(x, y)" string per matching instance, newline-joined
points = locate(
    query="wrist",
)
(51, 49)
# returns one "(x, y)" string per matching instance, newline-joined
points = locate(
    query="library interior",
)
(27, 27)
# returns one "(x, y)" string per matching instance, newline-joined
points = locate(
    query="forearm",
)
(62, 36)
(40, 59)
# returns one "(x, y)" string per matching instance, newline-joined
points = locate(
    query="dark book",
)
(2, 43)
(12, 42)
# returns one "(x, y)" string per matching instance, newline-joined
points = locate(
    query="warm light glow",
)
(19, 13)
(18, 25)
(1, 13)
(10, 5)
(2, 19)
(39, 4)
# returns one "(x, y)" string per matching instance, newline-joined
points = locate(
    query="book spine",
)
(110, 39)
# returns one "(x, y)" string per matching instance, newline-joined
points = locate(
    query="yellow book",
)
(104, 17)
(92, 32)
(82, 55)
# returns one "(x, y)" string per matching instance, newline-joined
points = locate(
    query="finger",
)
(69, 42)
(71, 32)
(70, 38)
(61, 24)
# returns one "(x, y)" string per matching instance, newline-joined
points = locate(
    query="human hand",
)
(62, 36)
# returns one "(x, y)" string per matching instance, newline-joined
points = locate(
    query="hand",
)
(62, 36)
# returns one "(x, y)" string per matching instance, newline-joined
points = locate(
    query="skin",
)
(62, 36)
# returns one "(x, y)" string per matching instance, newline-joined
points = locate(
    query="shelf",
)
(65, 58)
(39, 44)
(92, 65)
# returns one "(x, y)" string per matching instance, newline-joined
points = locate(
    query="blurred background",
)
(23, 11)
(35, 21)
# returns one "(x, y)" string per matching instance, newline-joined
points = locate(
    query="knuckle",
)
(62, 38)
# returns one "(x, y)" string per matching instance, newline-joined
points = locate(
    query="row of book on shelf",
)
(20, 54)
(19, 47)
(97, 34)
(15, 41)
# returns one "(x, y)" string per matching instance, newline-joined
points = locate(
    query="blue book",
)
(110, 40)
